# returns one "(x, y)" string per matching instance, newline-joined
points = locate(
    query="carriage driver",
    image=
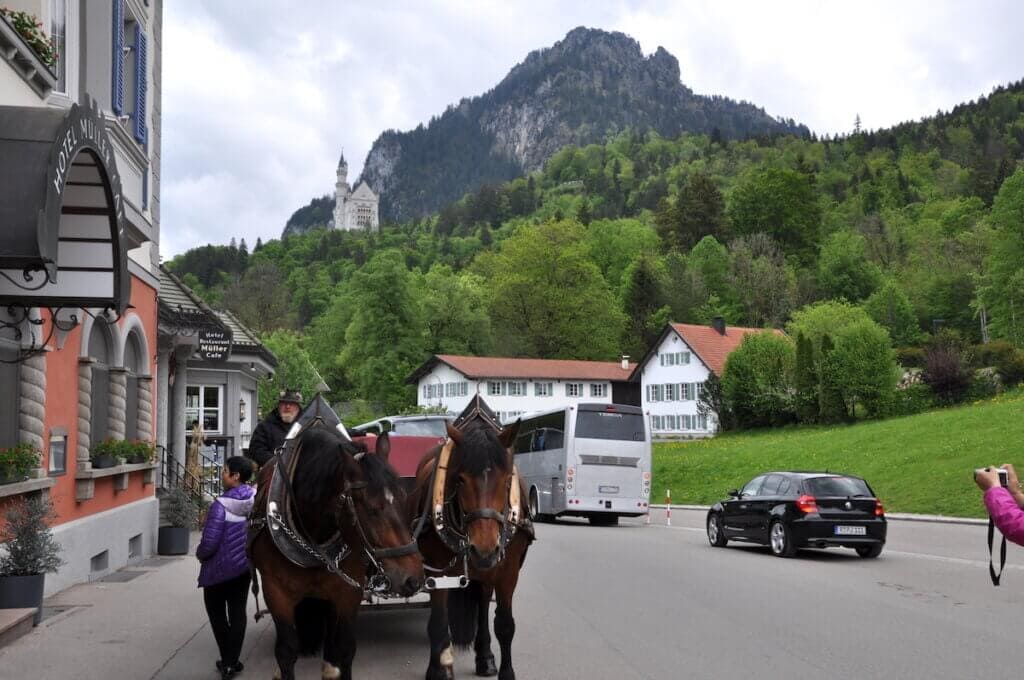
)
(270, 434)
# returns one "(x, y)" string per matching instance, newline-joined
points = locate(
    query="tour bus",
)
(588, 460)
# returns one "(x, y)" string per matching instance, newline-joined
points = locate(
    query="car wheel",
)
(716, 534)
(869, 551)
(780, 540)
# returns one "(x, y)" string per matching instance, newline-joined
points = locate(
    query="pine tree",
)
(831, 406)
(259, 245)
(856, 125)
(806, 380)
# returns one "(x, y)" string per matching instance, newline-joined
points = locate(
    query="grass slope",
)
(919, 464)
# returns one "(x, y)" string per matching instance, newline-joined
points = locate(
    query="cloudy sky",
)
(260, 97)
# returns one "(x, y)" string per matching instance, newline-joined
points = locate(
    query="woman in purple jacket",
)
(1004, 504)
(224, 574)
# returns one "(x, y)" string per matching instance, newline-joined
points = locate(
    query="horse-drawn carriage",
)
(335, 526)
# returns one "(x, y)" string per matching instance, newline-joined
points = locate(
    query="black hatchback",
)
(792, 510)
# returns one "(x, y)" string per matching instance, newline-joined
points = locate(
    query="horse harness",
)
(287, 531)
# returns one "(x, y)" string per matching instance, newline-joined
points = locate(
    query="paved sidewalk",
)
(151, 626)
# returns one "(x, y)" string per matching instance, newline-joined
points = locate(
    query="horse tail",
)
(463, 612)
(311, 624)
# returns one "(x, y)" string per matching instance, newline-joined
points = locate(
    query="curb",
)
(899, 516)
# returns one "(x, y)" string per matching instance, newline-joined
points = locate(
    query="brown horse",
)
(473, 521)
(348, 516)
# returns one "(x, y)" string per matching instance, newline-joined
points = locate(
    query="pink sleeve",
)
(1005, 513)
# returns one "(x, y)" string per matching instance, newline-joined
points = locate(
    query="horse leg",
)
(482, 645)
(342, 643)
(332, 652)
(442, 656)
(286, 650)
(505, 626)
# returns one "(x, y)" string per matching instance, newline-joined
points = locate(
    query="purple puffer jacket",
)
(222, 550)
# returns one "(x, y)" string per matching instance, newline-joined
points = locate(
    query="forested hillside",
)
(921, 226)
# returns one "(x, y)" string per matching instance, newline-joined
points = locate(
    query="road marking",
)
(888, 551)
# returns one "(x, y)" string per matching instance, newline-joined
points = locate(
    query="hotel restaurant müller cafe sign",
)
(62, 244)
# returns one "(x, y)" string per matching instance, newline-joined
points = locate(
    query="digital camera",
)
(1004, 476)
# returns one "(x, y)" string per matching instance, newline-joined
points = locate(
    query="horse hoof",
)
(485, 667)
(331, 672)
(507, 674)
(443, 673)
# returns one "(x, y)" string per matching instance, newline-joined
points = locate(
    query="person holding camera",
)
(1004, 500)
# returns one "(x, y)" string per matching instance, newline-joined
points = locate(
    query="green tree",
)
(779, 202)
(295, 369)
(831, 404)
(824, 318)
(698, 211)
(548, 299)
(644, 302)
(1005, 266)
(862, 366)
(890, 307)
(806, 380)
(757, 380)
(455, 313)
(613, 244)
(844, 270)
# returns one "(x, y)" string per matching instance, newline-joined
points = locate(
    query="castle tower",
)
(341, 194)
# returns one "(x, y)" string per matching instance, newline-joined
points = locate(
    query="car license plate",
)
(608, 489)
(842, 530)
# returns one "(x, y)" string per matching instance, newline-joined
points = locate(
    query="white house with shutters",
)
(515, 387)
(674, 370)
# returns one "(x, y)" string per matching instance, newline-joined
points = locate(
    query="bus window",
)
(610, 425)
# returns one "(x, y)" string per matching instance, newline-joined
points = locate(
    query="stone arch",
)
(92, 329)
(132, 330)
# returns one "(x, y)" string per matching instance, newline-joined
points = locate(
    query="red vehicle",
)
(411, 437)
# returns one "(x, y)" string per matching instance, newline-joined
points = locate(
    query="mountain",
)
(586, 86)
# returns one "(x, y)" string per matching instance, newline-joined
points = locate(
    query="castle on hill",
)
(354, 208)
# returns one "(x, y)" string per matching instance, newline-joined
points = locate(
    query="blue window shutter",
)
(140, 85)
(117, 63)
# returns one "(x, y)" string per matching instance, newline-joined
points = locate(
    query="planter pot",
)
(100, 462)
(18, 592)
(136, 460)
(7, 477)
(172, 541)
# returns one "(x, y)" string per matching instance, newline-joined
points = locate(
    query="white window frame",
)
(203, 409)
(70, 53)
(543, 389)
(495, 388)
(598, 390)
(574, 389)
(515, 388)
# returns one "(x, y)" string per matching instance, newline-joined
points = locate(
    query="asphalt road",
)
(635, 601)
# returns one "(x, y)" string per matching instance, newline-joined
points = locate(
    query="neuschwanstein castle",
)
(354, 208)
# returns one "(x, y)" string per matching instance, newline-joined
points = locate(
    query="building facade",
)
(354, 208)
(673, 373)
(79, 235)
(515, 387)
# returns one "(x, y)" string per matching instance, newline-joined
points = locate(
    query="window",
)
(58, 455)
(9, 433)
(516, 389)
(610, 425)
(508, 416)
(495, 388)
(752, 487)
(674, 358)
(432, 390)
(573, 389)
(672, 392)
(771, 485)
(203, 404)
(101, 350)
(702, 422)
(542, 389)
(456, 389)
(689, 391)
(598, 390)
(58, 35)
(128, 74)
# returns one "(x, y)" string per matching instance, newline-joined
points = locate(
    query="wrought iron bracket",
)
(20, 323)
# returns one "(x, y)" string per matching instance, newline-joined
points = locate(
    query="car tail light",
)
(806, 504)
(879, 510)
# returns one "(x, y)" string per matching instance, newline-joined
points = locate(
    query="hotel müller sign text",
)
(214, 345)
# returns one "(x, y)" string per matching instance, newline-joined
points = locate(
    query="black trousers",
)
(225, 605)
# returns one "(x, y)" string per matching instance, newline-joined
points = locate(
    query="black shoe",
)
(231, 671)
(220, 665)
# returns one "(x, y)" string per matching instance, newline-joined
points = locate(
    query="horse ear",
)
(509, 433)
(383, 449)
(454, 433)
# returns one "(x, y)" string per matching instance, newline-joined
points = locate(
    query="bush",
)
(31, 548)
(910, 357)
(1004, 357)
(757, 381)
(18, 462)
(985, 384)
(917, 398)
(180, 509)
(947, 372)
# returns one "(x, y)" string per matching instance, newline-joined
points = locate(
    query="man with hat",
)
(270, 434)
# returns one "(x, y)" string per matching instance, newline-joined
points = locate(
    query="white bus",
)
(588, 460)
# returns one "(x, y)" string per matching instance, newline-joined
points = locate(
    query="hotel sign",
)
(214, 345)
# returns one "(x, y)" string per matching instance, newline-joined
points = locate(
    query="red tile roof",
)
(711, 346)
(503, 367)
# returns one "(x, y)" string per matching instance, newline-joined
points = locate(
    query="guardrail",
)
(203, 487)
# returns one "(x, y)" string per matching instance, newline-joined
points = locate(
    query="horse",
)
(468, 507)
(349, 522)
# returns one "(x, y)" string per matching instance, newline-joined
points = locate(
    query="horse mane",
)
(320, 466)
(485, 449)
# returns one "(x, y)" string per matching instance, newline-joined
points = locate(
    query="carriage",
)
(343, 519)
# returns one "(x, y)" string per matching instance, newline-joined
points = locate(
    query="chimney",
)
(718, 323)
(625, 362)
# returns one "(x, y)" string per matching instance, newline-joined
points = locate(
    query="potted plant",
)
(17, 463)
(105, 453)
(30, 552)
(182, 515)
(139, 451)
(31, 31)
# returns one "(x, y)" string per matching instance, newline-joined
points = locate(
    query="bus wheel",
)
(603, 520)
(535, 507)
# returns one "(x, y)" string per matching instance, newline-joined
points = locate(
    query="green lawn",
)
(920, 464)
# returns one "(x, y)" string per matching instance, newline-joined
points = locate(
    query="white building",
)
(674, 370)
(354, 208)
(514, 387)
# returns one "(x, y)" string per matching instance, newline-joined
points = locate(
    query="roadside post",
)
(668, 507)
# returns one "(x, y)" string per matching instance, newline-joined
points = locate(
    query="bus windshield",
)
(610, 425)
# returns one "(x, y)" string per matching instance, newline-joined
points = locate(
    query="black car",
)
(791, 510)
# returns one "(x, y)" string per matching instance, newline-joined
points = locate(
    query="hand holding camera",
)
(988, 477)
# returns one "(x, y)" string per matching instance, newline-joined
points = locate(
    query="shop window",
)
(100, 350)
(9, 407)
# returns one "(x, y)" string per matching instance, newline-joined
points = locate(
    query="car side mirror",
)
(734, 493)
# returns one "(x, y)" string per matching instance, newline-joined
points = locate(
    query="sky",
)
(260, 98)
